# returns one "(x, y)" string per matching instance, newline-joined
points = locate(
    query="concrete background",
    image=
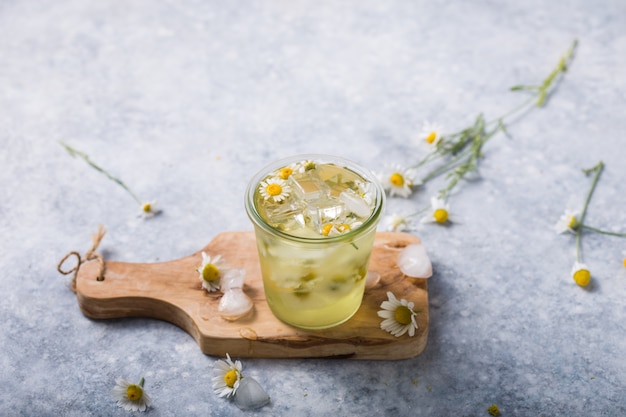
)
(185, 100)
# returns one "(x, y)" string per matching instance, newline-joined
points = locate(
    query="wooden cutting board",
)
(172, 291)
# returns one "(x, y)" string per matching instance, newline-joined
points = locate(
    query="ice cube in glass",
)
(285, 216)
(323, 211)
(308, 186)
(355, 203)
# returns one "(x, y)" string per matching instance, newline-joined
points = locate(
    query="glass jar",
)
(315, 219)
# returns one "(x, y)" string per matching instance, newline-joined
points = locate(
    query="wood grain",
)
(171, 291)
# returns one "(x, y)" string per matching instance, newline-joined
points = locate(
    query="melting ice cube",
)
(324, 211)
(355, 203)
(308, 186)
(287, 215)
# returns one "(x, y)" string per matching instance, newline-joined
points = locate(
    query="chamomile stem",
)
(447, 166)
(523, 106)
(603, 232)
(85, 157)
(596, 170)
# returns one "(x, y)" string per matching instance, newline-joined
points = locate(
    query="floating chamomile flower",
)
(340, 227)
(275, 189)
(568, 222)
(304, 166)
(367, 192)
(399, 316)
(285, 172)
(210, 272)
(131, 397)
(398, 181)
(227, 375)
(581, 274)
(440, 212)
(395, 223)
(431, 134)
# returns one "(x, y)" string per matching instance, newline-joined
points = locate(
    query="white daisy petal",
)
(440, 212)
(149, 209)
(399, 316)
(274, 189)
(211, 271)
(431, 134)
(398, 181)
(581, 274)
(130, 396)
(227, 375)
(396, 223)
(567, 222)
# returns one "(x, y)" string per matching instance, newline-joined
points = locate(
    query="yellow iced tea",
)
(315, 220)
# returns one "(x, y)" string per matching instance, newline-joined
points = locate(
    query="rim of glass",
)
(367, 225)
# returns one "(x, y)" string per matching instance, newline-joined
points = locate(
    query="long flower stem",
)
(596, 170)
(463, 160)
(74, 152)
(603, 232)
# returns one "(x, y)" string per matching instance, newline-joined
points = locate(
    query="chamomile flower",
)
(367, 192)
(304, 166)
(431, 134)
(285, 172)
(227, 375)
(440, 212)
(131, 397)
(399, 316)
(149, 209)
(274, 189)
(210, 272)
(395, 223)
(581, 274)
(340, 227)
(568, 222)
(398, 181)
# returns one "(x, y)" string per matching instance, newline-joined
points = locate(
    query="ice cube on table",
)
(285, 216)
(355, 203)
(323, 211)
(308, 186)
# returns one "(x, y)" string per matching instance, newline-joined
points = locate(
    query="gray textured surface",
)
(185, 100)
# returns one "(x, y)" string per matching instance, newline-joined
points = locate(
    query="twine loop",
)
(90, 255)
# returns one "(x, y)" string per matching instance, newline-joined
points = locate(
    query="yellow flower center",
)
(274, 189)
(210, 273)
(397, 179)
(344, 227)
(582, 277)
(441, 215)
(624, 262)
(146, 207)
(134, 392)
(285, 172)
(230, 378)
(403, 315)
(326, 229)
(431, 137)
(572, 222)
